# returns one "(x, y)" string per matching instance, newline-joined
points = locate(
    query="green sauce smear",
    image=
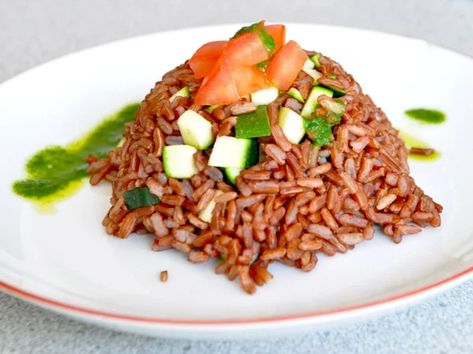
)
(319, 130)
(56, 172)
(411, 142)
(425, 115)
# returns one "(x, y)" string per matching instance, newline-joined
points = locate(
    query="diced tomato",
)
(205, 58)
(229, 67)
(278, 32)
(246, 49)
(248, 79)
(285, 65)
(218, 87)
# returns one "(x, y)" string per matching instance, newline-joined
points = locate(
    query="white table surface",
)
(33, 32)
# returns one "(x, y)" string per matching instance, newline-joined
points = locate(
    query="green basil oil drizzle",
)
(55, 172)
(411, 142)
(426, 115)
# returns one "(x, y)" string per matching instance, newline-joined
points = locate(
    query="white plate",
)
(65, 262)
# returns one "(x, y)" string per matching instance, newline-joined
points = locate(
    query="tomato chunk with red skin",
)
(285, 65)
(278, 32)
(248, 79)
(246, 49)
(205, 58)
(218, 87)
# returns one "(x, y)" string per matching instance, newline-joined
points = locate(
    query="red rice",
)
(298, 202)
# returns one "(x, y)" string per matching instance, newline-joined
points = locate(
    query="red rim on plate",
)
(50, 303)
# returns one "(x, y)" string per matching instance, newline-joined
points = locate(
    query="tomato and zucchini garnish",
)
(257, 57)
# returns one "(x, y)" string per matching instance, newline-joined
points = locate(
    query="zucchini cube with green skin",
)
(308, 68)
(195, 130)
(234, 152)
(178, 161)
(311, 102)
(265, 96)
(309, 64)
(295, 93)
(253, 124)
(183, 92)
(212, 108)
(316, 59)
(292, 125)
(313, 73)
(232, 173)
(336, 91)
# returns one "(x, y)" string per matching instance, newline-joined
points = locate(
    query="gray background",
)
(33, 32)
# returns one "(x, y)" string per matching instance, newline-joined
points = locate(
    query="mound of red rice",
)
(298, 203)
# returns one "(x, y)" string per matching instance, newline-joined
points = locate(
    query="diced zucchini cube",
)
(195, 130)
(265, 96)
(232, 173)
(183, 92)
(309, 64)
(212, 108)
(311, 102)
(234, 152)
(253, 124)
(295, 93)
(292, 124)
(178, 161)
(313, 73)
(316, 59)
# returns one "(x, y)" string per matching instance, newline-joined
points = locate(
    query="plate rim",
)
(357, 310)
(317, 315)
